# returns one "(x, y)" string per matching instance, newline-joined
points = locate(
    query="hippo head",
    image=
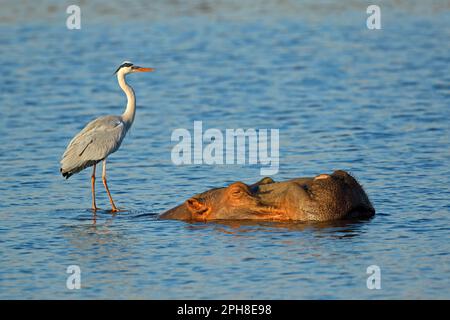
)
(236, 201)
(321, 198)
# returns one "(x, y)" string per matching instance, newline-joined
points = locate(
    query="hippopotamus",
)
(325, 197)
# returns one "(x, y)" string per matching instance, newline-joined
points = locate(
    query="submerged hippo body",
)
(322, 198)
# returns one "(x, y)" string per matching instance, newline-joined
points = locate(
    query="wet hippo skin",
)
(325, 197)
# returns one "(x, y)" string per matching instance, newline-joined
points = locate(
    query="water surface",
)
(375, 103)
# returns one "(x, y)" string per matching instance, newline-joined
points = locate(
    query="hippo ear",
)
(266, 180)
(196, 206)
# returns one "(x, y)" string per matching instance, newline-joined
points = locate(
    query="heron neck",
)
(130, 111)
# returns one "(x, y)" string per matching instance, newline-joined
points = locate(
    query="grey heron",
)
(102, 136)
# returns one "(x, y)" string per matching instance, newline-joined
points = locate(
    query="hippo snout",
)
(180, 212)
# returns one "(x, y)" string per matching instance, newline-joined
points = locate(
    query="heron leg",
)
(114, 208)
(94, 206)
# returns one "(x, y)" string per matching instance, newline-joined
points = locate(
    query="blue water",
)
(375, 103)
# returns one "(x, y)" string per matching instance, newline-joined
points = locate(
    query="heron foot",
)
(114, 210)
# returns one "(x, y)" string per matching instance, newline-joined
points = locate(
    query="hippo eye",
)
(238, 190)
(237, 193)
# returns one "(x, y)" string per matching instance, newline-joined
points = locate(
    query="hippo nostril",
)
(201, 212)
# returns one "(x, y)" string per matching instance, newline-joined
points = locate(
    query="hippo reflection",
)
(325, 197)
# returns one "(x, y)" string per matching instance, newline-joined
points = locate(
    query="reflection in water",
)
(85, 236)
(338, 229)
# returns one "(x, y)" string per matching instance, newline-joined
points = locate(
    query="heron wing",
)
(94, 143)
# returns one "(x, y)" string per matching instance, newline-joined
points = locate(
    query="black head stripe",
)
(126, 64)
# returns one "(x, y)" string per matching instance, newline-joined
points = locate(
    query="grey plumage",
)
(102, 136)
(95, 142)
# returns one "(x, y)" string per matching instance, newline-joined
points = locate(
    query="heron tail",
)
(65, 174)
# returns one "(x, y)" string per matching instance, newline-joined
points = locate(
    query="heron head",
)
(128, 67)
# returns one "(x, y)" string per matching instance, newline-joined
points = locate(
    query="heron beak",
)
(140, 69)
